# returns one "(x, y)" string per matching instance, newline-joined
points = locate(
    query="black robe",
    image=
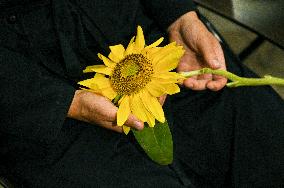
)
(229, 138)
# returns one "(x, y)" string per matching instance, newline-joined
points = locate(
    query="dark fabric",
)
(233, 137)
(29, 91)
(166, 12)
(230, 138)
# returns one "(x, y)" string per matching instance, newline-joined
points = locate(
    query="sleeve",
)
(166, 12)
(34, 102)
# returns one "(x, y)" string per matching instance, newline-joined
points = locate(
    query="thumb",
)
(162, 99)
(134, 122)
(210, 55)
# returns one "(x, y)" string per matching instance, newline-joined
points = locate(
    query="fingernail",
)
(138, 125)
(216, 63)
(212, 87)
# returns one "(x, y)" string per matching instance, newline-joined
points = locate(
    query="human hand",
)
(96, 109)
(162, 99)
(202, 49)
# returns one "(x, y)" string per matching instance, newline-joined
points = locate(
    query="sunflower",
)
(137, 75)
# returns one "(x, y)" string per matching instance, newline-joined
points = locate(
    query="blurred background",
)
(257, 24)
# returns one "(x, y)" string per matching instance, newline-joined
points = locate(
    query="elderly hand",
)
(202, 49)
(96, 109)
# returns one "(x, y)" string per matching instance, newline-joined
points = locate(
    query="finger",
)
(189, 82)
(204, 44)
(205, 77)
(198, 82)
(111, 126)
(214, 56)
(131, 122)
(211, 51)
(195, 84)
(210, 56)
(110, 116)
(189, 61)
(162, 99)
(134, 122)
(217, 83)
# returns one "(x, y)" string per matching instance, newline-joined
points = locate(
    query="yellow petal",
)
(131, 41)
(130, 49)
(99, 69)
(163, 81)
(117, 53)
(168, 86)
(102, 81)
(152, 105)
(169, 61)
(155, 89)
(99, 84)
(109, 93)
(160, 52)
(137, 107)
(150, 119)
(90, 83)
(151, 52)
(169, 51)
(92, 68)
(123, 111)
(171, 88)
(139, 41)
(169, 75)
(155, 44)
(99, 76)
(107, 61)
(87, 83)
(125, 129)
(92, 90)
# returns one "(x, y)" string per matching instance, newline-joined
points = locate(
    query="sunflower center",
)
(131, 74)
(130, 69)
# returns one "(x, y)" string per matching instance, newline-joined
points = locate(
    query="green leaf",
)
(157, 142)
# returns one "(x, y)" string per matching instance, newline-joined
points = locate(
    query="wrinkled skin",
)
(201, 50)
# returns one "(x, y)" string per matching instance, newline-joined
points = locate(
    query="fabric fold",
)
(66, 30)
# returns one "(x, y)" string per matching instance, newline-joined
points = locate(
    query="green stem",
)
(237, 81)
(116, 99)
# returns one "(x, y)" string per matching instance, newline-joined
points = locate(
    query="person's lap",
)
(235, 134)
(218, 137)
